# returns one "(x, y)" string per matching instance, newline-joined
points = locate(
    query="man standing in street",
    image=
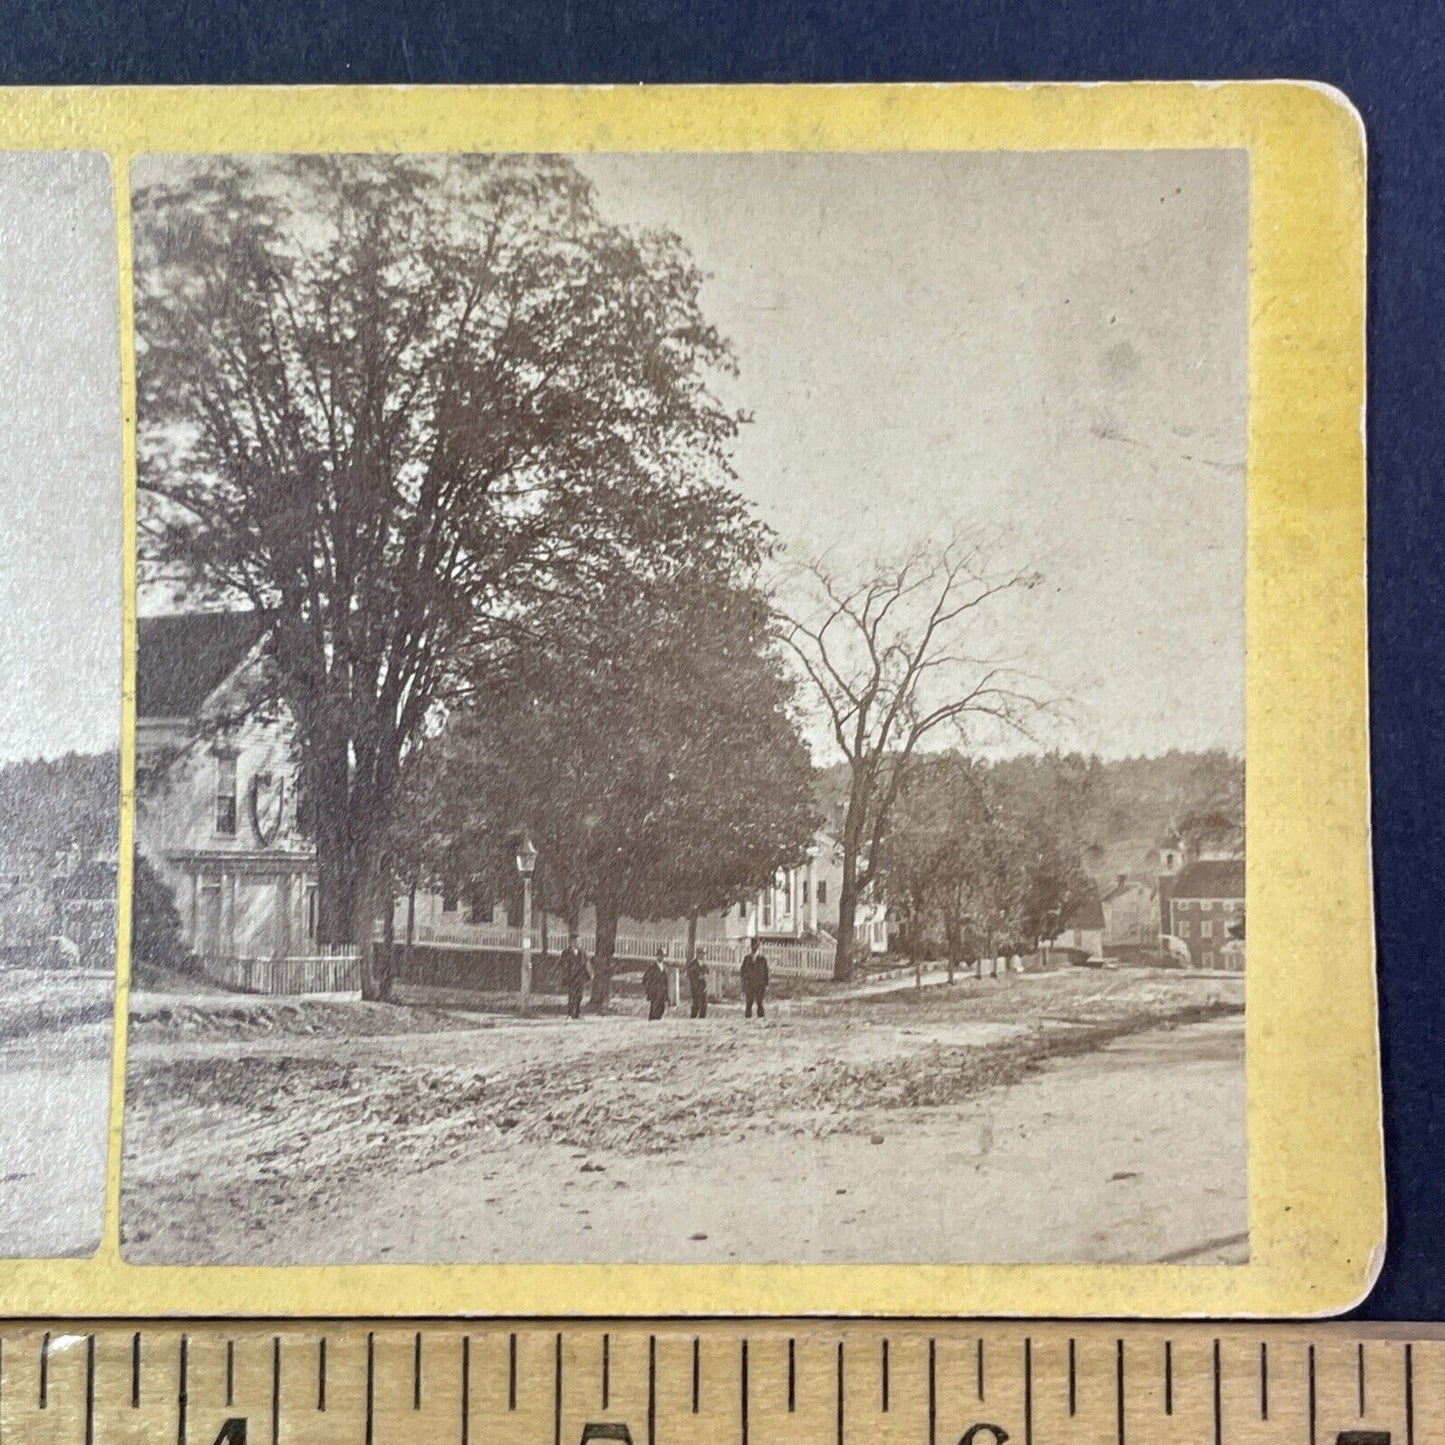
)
(575, 976)
(754, 981)
(654, 985)
(697, 985)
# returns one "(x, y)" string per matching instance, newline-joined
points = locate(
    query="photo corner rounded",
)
(1338, 110)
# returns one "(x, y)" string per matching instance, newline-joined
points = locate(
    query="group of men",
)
(576, 974)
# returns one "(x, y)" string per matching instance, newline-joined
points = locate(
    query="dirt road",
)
(55, 1042)
(1065, 1117)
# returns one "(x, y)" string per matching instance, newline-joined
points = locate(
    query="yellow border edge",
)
(1316, 1150)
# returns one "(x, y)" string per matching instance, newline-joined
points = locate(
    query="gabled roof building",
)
(216, 792)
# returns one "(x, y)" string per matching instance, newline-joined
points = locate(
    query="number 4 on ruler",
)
(233, 1432)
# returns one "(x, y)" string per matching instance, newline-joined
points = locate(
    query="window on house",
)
(822, 891)
(311, 914)
(1184, 928)
(805, 893)
(226, 795)
(449, 897)
(1206, 929)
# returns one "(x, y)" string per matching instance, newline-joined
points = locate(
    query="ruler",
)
(754, 1383)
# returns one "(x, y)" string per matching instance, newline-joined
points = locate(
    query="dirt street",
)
(55, 1043)
(1082, 1116)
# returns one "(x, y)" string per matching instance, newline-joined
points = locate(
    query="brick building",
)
(1203, 907)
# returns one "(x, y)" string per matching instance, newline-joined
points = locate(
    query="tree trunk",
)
(388, 925)
(847, 911)
(335, 886)
(848, 891)
(691, 935)
(366, 898)
(327, 781)
(951, 942)
(410, 927)
(608, 914)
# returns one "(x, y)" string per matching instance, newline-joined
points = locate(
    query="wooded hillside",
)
(49, 804)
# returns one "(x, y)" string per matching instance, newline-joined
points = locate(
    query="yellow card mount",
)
(911, 976)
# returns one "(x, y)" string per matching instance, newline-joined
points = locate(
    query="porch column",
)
(812, 893)
(228, 914)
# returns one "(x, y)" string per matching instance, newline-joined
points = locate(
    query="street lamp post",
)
(526, 862)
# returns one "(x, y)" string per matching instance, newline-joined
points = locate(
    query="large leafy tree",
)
(402, 405)
(649, 749)
(988, 854)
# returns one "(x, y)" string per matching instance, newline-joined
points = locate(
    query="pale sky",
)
(60, 469)
(1049, 346)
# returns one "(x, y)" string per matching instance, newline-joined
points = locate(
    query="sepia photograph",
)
(690, 708)
(60, 706)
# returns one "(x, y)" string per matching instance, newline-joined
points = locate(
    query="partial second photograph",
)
(60, 702)
(690, 709)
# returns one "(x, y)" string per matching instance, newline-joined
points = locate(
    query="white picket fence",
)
(335, 969)
(785, 958)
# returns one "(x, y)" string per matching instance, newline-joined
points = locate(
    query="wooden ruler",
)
(754, 1383)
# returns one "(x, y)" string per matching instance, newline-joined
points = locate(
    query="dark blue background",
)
(1387, 57)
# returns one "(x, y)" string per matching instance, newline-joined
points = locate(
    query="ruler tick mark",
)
(743, 1381)
(321, 1373)
(1028, 1390)
(1218, 1412)
(90, 1390)
(1073, 1383)
(1409, 1395)
(512, 1374)
(840, 1391)
(230, 1373)
(606, 1368)
(467, 1384)
(1311, 1358)
(933, 1387)
(792, 1378)
(135, 1371)
(1264, 1379)
(980, 1365)
(416, 1373)
(181, 1392)
(1119, 1389)
(1360, 1377)
(651, 1390)
(276, 1387)
(1168, 1377)
(370, 1387)
(45, 1370)
(696, 1374)
(557, 1392)
(885, 1376)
